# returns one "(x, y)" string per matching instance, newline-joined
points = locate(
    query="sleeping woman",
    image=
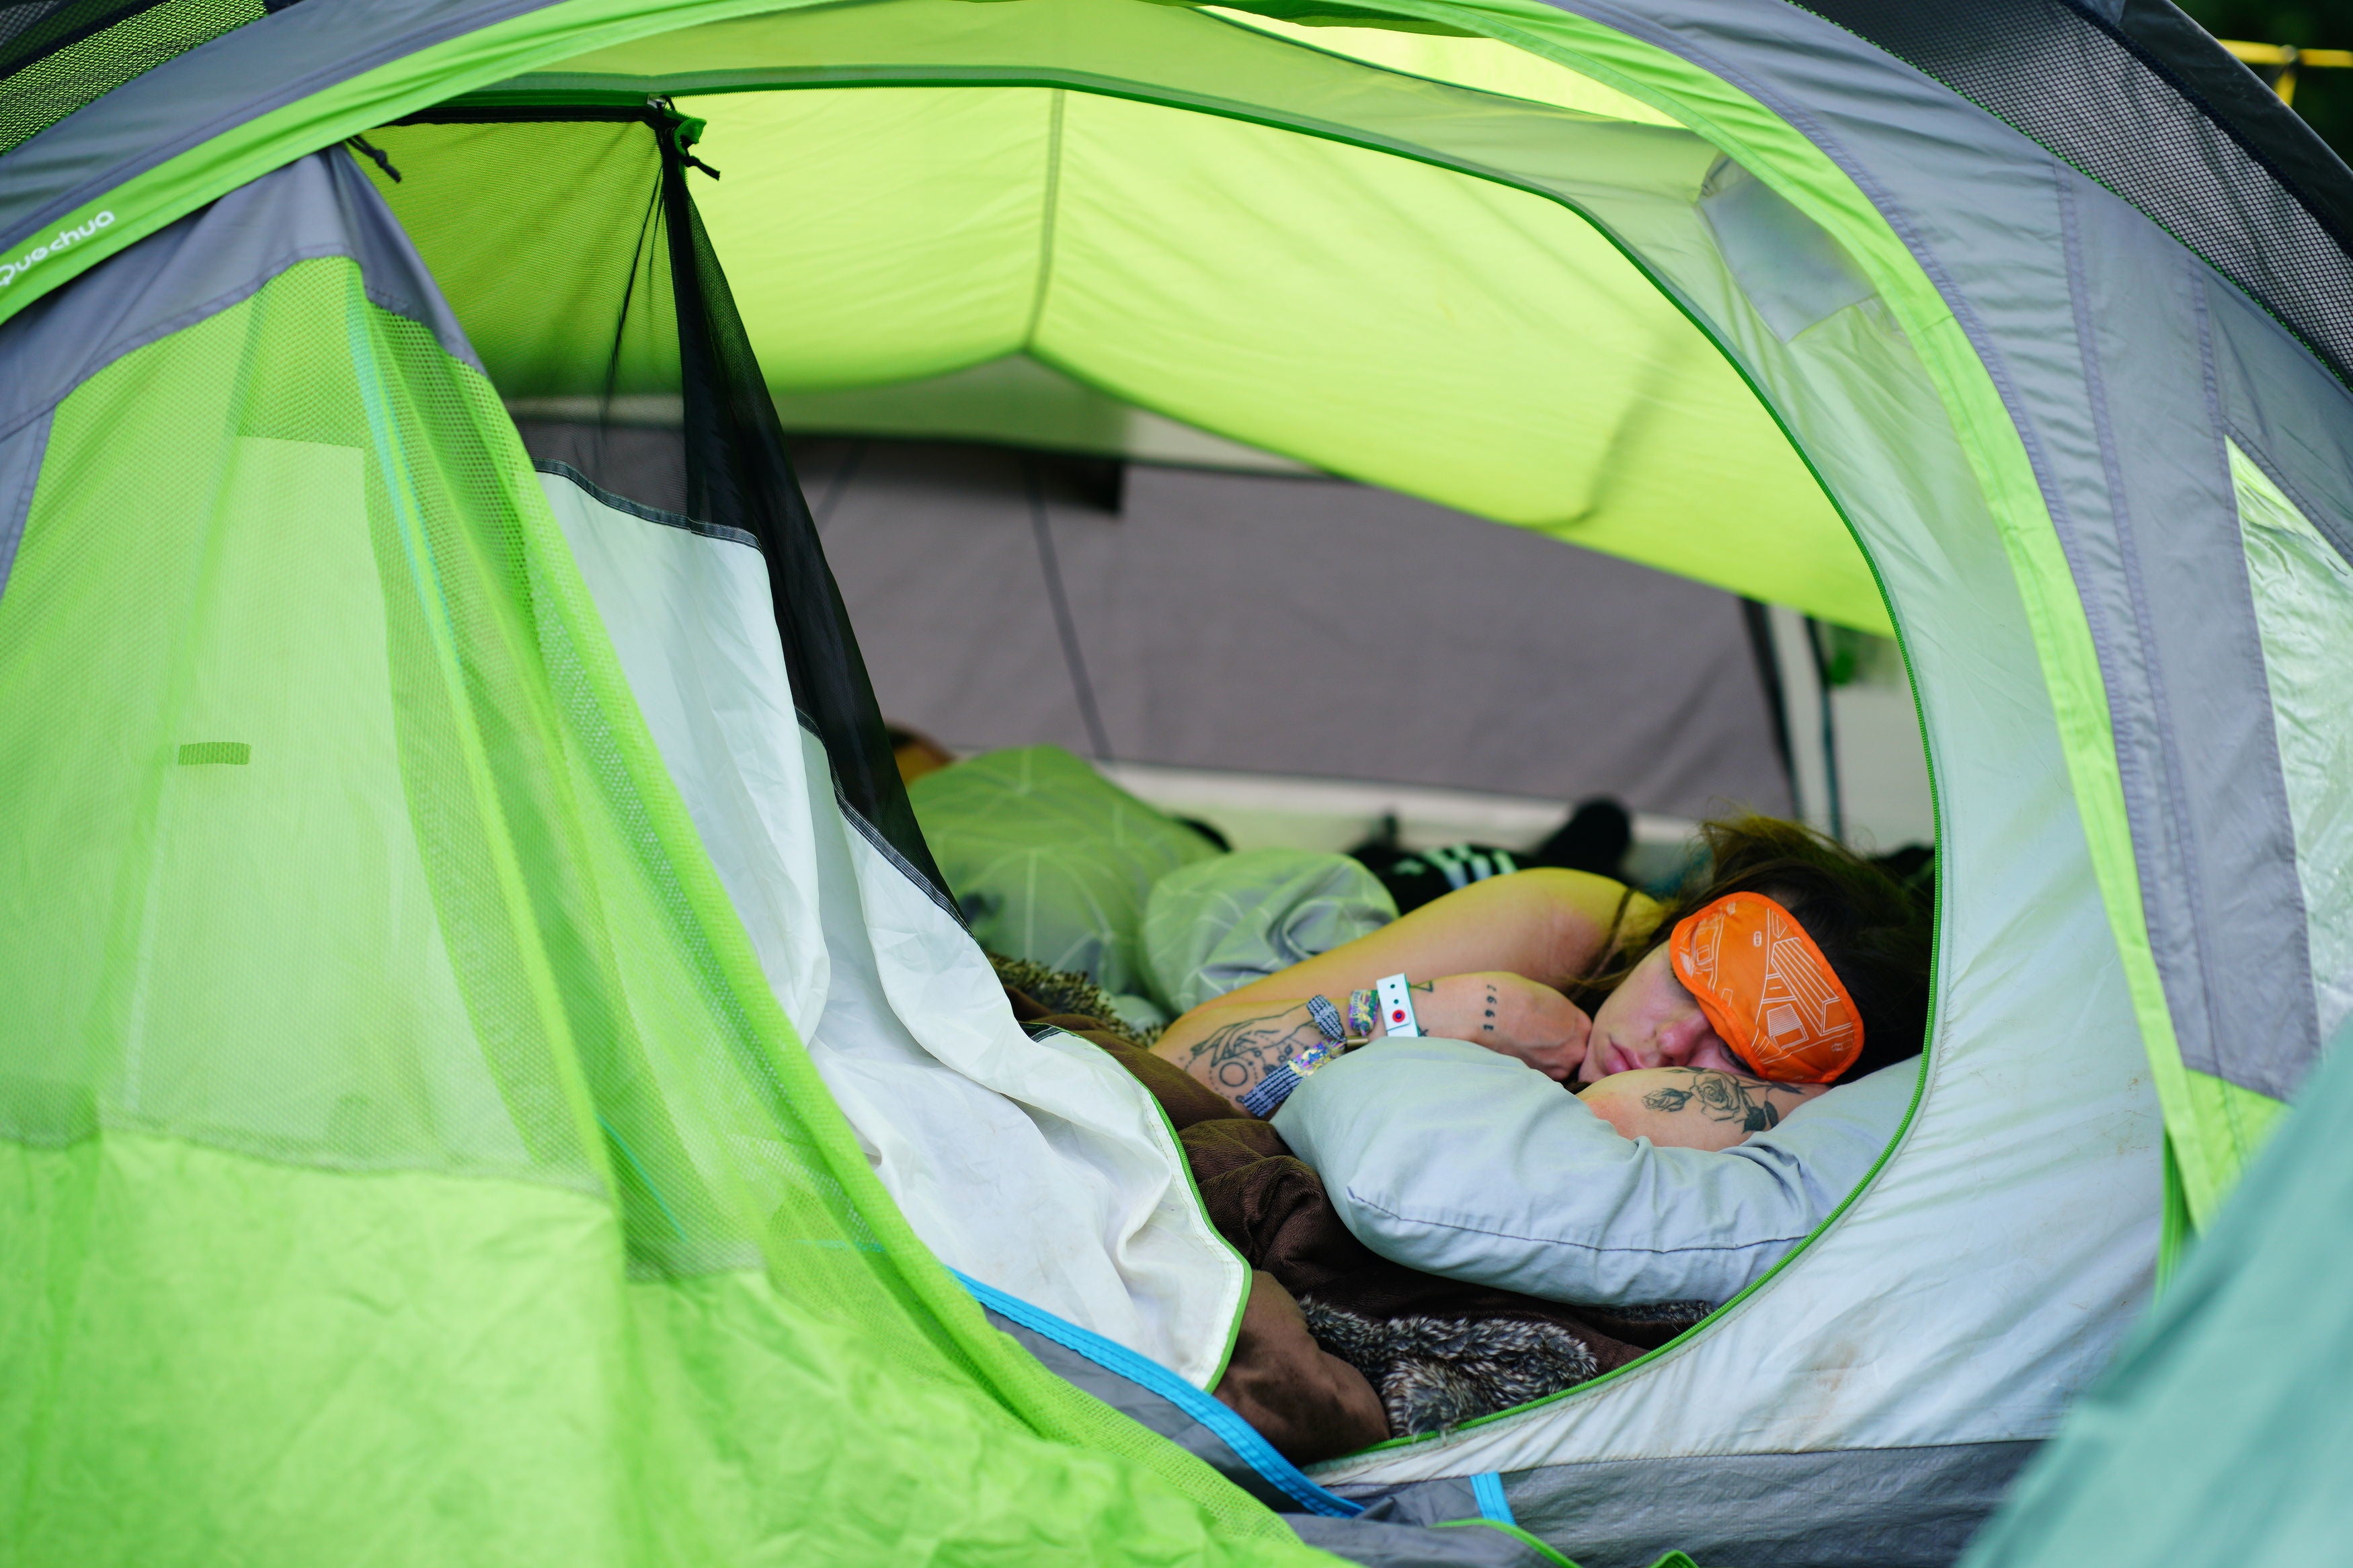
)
(1697, 1024)
(1702, 1142)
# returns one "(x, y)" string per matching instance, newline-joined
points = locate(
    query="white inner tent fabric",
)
(1041, 1168)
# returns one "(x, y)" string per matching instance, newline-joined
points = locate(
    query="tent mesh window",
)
(58, 55)
(362, 953)
(2249, 187)
(607, 326)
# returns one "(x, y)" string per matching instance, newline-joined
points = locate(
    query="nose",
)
(1680, 1040)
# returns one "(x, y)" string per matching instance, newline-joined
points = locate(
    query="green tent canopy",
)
(491, 1071)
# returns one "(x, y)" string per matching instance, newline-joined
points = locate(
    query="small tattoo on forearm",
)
(1720, 1096)
(1489, 1027)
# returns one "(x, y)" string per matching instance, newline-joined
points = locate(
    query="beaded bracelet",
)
(1284, 1077)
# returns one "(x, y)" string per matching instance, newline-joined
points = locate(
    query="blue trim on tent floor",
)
(1487, 1492)
(1231, 1429)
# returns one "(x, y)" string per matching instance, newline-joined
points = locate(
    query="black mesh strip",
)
(2242, 103)
(2267, 131)
(738, 476)
(2247, 187)
(27, 32)
(43, 89)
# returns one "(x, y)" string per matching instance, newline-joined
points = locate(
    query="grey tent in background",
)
(1286, 623)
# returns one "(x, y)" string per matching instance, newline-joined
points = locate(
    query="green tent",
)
(489, 1070)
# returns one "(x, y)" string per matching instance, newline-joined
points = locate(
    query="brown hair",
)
(1876, 934)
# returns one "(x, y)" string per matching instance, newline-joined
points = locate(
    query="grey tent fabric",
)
(2170, 606)
(2132, 92)
(1234, 621)
(2220, 1433)
(276, 59)
(196, 268)
(209, 260)
(20, 460)
(2005, 232)
(1852, 1508)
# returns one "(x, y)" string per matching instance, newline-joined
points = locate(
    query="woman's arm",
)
(1485, 963)
(1548, 925)
(1694, 1108)
(1231, 1046)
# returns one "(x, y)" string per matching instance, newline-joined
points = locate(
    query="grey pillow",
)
(1456, 1160)
(1051, 861)
(1218, 924)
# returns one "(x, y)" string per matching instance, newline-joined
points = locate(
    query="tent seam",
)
(555, 468)
(228, 300)
(2201, 314)
(2133, 774)
(2177, 807)
(587, 1189)
(18, 513)
(2324, 522)
(1048, 216)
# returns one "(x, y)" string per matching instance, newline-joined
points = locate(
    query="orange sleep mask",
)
(1767, 989)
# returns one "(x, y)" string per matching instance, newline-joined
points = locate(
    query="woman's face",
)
(1651, 1021)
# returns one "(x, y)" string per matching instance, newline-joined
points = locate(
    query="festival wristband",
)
(1360, 1013)
(1397, 1007)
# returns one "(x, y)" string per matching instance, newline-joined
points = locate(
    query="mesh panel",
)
(2115, 113)
(361, 868)
(332, 837)
(575, 256)
(202, 804)
(56, 58)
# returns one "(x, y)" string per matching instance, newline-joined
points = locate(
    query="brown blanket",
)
(1437, 1351)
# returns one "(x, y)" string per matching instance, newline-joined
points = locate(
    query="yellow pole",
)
(2286, 60)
